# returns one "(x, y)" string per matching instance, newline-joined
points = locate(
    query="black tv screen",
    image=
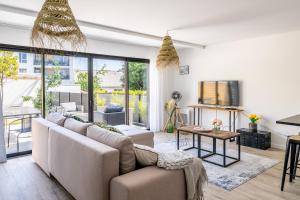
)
(223, 93)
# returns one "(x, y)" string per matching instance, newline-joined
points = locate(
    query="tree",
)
(137, 76)
(52, 80)
(82, 79)
(9, 68)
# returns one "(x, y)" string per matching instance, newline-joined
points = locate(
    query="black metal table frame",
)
(231, 120)
(214, 151)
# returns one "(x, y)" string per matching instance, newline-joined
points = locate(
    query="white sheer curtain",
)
(2, 143)
(159, 84)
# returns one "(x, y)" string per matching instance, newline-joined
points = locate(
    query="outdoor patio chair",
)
(19, 126)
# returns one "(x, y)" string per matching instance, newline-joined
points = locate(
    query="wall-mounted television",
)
(222, 93)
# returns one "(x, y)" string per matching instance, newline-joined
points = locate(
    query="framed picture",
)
(184, 70)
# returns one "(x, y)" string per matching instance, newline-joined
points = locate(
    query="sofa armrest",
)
(40, 137)
(82, 165)
(149, 183)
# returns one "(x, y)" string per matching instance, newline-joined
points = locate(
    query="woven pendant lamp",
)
(55, 26)
(167, 56)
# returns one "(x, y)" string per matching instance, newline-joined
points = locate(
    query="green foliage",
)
(82, 79)
(54, 79)
(9, 66)
(37, 101)
(107, 127)
(117, 99)
(101, 102)
(100, 91)
(143, 110)
(131, 92)
(137, 76)
(26, 98)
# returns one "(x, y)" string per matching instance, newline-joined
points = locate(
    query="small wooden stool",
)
(293, 146)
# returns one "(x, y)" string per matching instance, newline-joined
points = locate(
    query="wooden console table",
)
(232, 113)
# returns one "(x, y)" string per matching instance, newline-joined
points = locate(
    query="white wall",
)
(21, 36)
(268, 69)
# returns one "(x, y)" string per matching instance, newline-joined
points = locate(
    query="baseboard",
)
(278, 146)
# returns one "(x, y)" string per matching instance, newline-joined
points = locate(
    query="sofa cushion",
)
(56, 118)
(69, 107)
(122, 143)
(76, 126)
(145, 156)
(111, 108)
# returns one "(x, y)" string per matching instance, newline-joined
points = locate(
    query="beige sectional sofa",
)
(90, 170)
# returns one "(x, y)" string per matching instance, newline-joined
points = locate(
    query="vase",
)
(253, 127)
(170, 128)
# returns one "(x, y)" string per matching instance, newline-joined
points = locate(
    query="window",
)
(37, 70)
(23, 57)
(55, 60)
(22, 70)
(37, 59)
(91, 81)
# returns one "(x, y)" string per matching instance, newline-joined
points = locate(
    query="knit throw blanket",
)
(195, 173)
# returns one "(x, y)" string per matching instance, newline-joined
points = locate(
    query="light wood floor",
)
(21, 179)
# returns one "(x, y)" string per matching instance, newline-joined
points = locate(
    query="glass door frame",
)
(90, 57)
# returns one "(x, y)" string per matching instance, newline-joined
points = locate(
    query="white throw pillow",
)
(69, 107)
(145, 156)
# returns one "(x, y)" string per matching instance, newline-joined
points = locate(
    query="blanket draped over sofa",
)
(195, 173)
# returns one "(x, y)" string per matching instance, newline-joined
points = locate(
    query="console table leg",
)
(193, 140)
(214, 145)
(230, 121)
(199, 146)
(239, 147)
(198, 116)
(224, 153)
(177, 139)
(194, 116)
(233, 121)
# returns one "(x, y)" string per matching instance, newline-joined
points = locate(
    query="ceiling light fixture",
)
(55, 26)
(167, 56)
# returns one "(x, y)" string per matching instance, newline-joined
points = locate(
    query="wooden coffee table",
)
(215, 135)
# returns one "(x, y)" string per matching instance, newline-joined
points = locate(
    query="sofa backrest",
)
(118, 141)
(82, 165)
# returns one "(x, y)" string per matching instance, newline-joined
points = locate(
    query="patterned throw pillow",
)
(107, 127)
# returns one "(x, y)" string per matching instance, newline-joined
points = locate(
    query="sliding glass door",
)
(94, 88)
(66, 85)
(21, 93)
(138, 93)
(109, 91)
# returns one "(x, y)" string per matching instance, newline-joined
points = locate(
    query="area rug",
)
(228, 178)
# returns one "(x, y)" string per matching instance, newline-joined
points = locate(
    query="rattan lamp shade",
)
(167, 56)
(55, 26)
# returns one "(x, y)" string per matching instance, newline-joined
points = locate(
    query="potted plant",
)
(26, 101)
(253, 122)
(101, 104)
(170, 107)
(217, 123)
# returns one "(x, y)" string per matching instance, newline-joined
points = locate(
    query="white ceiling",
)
(196, 21)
